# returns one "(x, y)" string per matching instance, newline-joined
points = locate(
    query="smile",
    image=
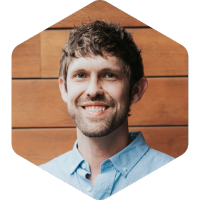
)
(95, 109)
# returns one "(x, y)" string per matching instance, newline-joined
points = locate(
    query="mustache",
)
(110, 103)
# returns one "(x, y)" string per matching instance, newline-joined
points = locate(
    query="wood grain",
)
(38, 103)
(26, 59)
(41, 145)
(161, 55)
(165, 102)
(51, 46)
(98, 10)
(170, 140)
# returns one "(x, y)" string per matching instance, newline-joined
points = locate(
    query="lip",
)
(95, 113)
(96, 103)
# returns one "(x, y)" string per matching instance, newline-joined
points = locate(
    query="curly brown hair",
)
(103, 38)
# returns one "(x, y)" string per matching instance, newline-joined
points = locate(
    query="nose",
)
(94, 87)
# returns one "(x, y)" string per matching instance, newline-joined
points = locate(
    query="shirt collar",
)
(127, 158)
(123, 161)
(74, 159)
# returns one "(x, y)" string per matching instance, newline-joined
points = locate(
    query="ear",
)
(62, 89)
(139, 89)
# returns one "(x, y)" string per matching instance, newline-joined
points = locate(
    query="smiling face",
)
(97, 94)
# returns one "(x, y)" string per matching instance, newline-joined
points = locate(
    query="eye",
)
(111, 75)
(82, 75)
(78, 75)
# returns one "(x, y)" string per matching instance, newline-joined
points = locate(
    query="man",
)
(101, 75)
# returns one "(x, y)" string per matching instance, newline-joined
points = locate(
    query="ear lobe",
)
(139, 89)
(64, 97)
(62, 89)
(135, 98)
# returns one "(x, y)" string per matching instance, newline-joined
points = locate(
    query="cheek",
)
(75, 91)
(123, 98)
(118, 92)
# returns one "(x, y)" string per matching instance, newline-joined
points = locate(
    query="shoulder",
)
(149, 162)
(56, 165)
(156, 159)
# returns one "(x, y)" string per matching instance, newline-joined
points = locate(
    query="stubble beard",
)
(102, 126)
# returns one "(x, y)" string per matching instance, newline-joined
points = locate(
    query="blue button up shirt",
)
(127, 166)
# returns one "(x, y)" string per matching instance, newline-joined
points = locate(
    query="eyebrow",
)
(112, 69)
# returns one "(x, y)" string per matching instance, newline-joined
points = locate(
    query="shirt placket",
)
(104, 182)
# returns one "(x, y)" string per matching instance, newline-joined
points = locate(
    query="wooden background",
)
(41, 126)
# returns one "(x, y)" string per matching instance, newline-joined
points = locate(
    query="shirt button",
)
(124, 169)
(83, 165)
(89, 188)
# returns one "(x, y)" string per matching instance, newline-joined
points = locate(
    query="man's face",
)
(97, 95)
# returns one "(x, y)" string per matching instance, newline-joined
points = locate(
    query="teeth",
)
(95, 109)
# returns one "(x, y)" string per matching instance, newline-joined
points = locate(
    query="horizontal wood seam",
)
(163, 126)
(131, 27)
(57, 78)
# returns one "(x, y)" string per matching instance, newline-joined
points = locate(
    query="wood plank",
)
(161, 55)
(98, 10)
(26, 59)
(170, 140)
(165, 102)
(51, 47)
(38, 103)
(41, 145)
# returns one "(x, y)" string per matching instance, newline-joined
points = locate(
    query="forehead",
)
(96, 63)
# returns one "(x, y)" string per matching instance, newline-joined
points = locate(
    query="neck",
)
(97, 149)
